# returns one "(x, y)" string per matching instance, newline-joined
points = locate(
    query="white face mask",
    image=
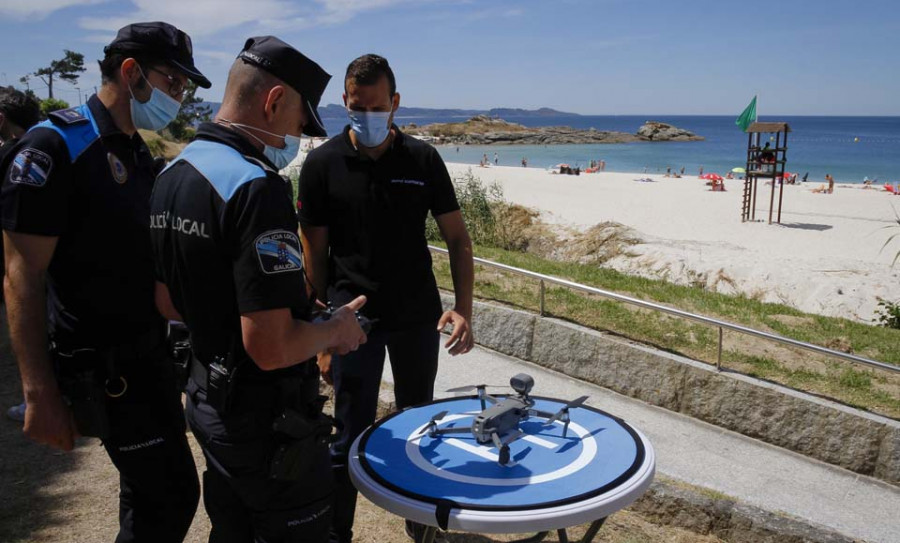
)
(371, 127)
(279, 157)
(157, 112)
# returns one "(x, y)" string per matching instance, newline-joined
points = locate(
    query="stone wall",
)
(828, 431)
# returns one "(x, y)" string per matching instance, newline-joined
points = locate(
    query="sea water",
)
(849, 148)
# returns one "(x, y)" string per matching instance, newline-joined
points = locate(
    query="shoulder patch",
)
(278, 252)
(67, 116)
(31, 167)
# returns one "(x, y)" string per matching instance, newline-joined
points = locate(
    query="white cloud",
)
(38, 9)
(198, 17)
(340, 11)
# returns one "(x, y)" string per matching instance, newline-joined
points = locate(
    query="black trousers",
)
(159, 490)
(243, 503)
(357, 380)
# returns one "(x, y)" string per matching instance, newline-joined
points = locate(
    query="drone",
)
(499, 422)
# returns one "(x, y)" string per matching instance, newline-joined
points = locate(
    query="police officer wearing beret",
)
(229, 265)
(79, 271)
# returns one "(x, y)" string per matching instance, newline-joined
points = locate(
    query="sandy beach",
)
(825, 257)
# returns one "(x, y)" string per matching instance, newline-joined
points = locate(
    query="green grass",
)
(855, 385)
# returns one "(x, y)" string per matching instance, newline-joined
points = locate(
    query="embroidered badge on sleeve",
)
(31, 167)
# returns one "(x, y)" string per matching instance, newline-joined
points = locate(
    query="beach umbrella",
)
(714, 177)
(738, 170)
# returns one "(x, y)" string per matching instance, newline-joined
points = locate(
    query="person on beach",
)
(701, 172)
(830, 180)
(363, 200)
(524, 162)
(496, 159)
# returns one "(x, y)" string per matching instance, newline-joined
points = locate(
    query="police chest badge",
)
(119, 173)
(31, 167)
(279, 251)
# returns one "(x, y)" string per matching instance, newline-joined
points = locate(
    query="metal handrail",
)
(679, 313)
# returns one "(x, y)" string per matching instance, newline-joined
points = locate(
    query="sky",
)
(602, 57)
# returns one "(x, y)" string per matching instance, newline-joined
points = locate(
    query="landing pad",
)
(552, 481)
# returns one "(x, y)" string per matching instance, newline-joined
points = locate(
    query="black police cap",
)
(161, 41)
(295, 69)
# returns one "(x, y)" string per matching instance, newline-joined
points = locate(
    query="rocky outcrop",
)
(657, 131)
(484, 130)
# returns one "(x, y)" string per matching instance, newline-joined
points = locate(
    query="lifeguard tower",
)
(764, 162)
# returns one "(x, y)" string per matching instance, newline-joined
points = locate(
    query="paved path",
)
(705, 455)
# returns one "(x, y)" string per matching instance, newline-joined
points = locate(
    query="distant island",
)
(337, 111)
(486, 130)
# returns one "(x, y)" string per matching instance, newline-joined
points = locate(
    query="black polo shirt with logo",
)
(225, 242)
(79, 178)
(375, 212)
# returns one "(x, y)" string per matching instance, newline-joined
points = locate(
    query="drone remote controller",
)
(325, 314)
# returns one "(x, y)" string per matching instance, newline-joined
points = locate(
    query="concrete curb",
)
(828, 431)
(669, 504)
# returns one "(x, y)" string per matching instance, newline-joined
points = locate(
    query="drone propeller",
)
(482, 395)
(468, 388)
(433, 422)
(563, 413)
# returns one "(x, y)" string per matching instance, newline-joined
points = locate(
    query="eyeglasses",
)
(176, 86)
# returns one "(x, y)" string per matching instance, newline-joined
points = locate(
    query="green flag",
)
(748, 116)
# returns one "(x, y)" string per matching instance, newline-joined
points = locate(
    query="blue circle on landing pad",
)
(598, 452)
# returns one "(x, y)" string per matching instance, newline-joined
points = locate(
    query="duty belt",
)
(200, 372)
(135, 347)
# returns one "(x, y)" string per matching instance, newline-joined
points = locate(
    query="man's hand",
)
(347, 334)
(461, 339)
(324, 362)
(48, 420)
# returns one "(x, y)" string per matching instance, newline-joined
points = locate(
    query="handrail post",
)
(542, 297)
(719, 358)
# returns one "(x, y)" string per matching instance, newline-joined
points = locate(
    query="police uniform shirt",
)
(375, 212)
(224, 237)
(78, 177)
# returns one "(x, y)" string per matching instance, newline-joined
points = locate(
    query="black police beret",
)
(295, 69)
(161, 41)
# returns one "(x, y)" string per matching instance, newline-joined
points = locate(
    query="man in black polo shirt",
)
(79, 270)
(363, 200)
(228, 261)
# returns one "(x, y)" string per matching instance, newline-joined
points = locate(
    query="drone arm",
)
(539, 413)
(442, 431)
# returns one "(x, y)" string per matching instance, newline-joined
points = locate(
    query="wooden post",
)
(780, 163)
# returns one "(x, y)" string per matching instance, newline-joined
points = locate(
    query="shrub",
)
(887, 314)
(52, 104)
(490, 220)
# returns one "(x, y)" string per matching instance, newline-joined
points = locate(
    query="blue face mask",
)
(279, 157)
(371, 127)
(157, 112)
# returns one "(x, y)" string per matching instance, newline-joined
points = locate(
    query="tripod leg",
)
(592, 531)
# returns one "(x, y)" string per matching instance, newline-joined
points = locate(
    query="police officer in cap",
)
(79, 270)
(228, 258)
